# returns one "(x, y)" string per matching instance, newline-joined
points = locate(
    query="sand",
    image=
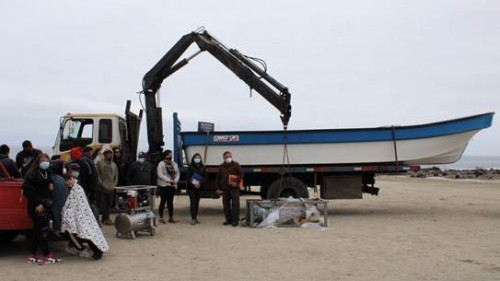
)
(416, 229)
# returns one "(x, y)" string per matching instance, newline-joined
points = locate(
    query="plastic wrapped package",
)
(287, 212)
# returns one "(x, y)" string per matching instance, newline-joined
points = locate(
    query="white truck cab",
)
(108, 130)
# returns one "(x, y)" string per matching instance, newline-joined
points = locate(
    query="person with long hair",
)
(37, 187)
(196, 175)
(168, 176)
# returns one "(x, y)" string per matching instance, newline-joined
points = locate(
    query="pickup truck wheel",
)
(290, 187)
(7, 236)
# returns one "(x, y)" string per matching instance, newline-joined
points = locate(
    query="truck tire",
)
(7, 236)
(290, 187)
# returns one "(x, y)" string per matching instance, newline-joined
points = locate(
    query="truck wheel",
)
(7, 236)
(290, 187)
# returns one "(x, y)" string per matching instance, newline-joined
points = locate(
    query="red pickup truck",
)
(14, 218)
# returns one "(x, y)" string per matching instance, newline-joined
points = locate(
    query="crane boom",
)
(254, 76)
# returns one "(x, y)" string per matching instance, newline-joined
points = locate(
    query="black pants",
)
(105, 202)
(75, 241)
(40, 233)
(166, 196)
(231, 204)
(194, 202)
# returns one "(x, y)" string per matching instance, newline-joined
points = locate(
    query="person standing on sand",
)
(108, 179)
(168, 176)
(59, 194)
(121, 165)
(88, 178)
(228, 181)
(26, 157)
(196, 175)
(37, 187)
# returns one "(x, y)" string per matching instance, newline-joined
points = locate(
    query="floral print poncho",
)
(78, 219)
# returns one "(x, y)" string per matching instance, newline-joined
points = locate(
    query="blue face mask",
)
(44, 165)
(197, 160)
(75, 174)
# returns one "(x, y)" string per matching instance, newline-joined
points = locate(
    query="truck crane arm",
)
(252, 74)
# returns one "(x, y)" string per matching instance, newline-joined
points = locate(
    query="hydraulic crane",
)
(252, 74)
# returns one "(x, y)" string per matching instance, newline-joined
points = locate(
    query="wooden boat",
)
(433, 143)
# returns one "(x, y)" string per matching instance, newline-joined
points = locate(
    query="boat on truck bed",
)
(433, 143)
(341, 163)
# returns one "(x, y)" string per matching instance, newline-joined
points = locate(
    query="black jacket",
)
(36, 189)
(88, 178)
(10, 166)
(140, 173)
(122, 172)
(24, 160)
(192, 169)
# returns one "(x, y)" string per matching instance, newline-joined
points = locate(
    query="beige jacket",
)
(108, 175)
(164, 178)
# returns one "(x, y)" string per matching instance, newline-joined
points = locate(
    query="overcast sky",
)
(346, 63)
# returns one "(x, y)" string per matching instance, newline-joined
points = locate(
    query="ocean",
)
(471, 162)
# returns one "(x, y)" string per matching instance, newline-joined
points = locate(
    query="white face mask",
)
(140, 160)
(228, 160)
(197, 160)
(44, 165)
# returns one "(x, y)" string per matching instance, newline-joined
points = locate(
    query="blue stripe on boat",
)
(437, 129)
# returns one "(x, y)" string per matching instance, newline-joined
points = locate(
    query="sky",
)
(347, 64)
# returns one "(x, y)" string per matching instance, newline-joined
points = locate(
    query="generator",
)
(136, 206)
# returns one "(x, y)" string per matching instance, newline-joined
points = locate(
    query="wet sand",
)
(416, 229)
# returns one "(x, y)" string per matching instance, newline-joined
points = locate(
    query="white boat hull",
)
(425, 151)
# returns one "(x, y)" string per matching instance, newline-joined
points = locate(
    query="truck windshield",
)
(76, 132)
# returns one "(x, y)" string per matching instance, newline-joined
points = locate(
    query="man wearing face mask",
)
(228, 180)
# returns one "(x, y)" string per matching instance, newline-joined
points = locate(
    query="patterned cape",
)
(78, 219)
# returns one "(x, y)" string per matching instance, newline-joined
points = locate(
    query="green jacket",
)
(108, 175)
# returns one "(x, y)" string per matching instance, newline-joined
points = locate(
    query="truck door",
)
(105, 135)
(76, 132)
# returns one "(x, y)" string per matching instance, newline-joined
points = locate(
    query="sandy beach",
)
(416, 229)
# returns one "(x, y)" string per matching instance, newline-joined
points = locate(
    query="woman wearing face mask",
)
(196, 175)
(37, 188)
(168, 176)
